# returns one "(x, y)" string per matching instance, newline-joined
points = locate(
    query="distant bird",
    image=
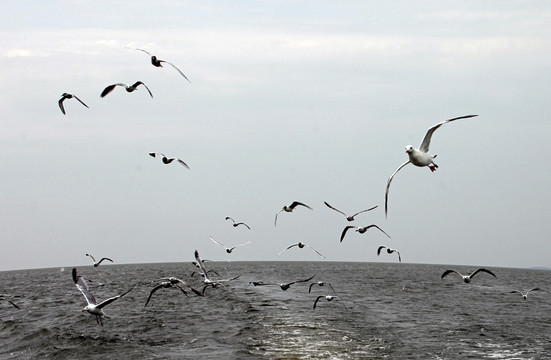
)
(525, 295)
(236, 224)
(389, 251)
(3, 298)
(284, 286)
(420, 157)
(290, 208)
(129, 88)
(167, 160)
(228, 250)
(172, 282)
(349, 217)
(467, 278)
(68, 96)
(361, 230)
(300, 246)
(206, 279)
(93, 307)
(328, 298)
(159, 63)
(97, 263)
(320, 283)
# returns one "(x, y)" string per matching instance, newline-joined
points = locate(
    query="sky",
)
(307, 101)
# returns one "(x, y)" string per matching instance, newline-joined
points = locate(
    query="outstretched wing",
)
(299, 281)
(80, 100)
(359, 212)
(182, 163)
(317, 299)
(224, 246)
(138, 83)
(337, 210)
(110, 300)
(60, 103)
(242, 223)
(345, 230)
(296, 203)
(287, 248)
(110, 88)
(388, 184)
(426, 140)
(83, 287)
(201, 266)
(174, 66)
(317, 252)
(482, 270)
(153, 292)
(99, 262)
(375, 226)
(447, 272)
(380, 248)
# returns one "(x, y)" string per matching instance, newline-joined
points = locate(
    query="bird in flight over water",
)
(349, 217)
(290, 208)
(467, 278)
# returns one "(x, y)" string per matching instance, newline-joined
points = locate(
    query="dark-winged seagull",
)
(97, 263)
(320, 283)
(290, 208)
(328, 298)
(467, 278)
(228, 250)
(525, 295)
(389, 251)
(93, 307)
(421, 157)
(283, 286)
(349, 217)
(361, 230)
(236, 224)
(171, 282)
(129, 88)
(159, 63)
(68, 96)
(167, 160)
(300, 246)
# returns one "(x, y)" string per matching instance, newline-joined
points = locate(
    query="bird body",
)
(68, 96)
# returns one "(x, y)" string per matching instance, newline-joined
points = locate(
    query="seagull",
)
(283, 287)
(328, 298)
(361, 229)
(525, 296)
(197, 266)
(2, 298)
(158, 63)
(389, 251)
(228, 250)
(349, 217)
(167, 160)
(300, 246)
(467, 278)
(68, 96)
(421, 157)
(172, 282)
(96, 263)
(206, 279)
(236, 224)
(93, 307)
(129, 88)
(320, 283)
(290, 209)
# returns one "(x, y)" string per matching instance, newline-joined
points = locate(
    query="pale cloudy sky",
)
(311, 101)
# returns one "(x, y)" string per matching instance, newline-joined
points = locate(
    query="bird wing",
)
(248, 242)
(224, 246)
(183, 163)
(13, 304)
(426, 140)
(331, 207)
(331, 288)
(345, 230)
(379, 249)
(60, 103)
(229, 218)
(275, 221)
(375, 226)
(153, 154)
(399, 257)
(152, 292)
(317, 299)
(388, 184)
(299, 281)
(310, 287)
(242, 223)
(139, 50)
(110, 300)
(482, 270)
(110, 88)
(534, 289)
(93, 259)
(82, 102)
(317, 252)
(201, 266)
(359, 212)
(138, 83)
(83, 287)
(99, 262)
(296, 203)
(174, 66)
(449, 272)
(287, 248)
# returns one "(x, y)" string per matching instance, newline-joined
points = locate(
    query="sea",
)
(382, 311)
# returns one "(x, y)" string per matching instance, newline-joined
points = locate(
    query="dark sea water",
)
(433, 319)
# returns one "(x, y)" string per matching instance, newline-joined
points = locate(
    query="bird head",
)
(409, 149)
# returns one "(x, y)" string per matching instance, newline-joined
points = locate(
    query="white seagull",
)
(236, 224)
(167, 160)
(67, 96)
(206, 279)
(349, 217)
(228, 250)
(290, 208)
(467, 278)
(328, 298)
(283, 286)
(300, 246)
(361, 230)
(159, 63)
(129, 88)
(93, 307)
(97, 263)
(389, 251)
(320, 283)
(525, 295)
(420, 157)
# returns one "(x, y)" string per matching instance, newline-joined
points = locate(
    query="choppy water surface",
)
(433, 319)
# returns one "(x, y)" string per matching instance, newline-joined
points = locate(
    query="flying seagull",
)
(421, 157)
(467, 278)
(159, 63)
(129, 88)
(2, 298)
(290, 208)
(172, 282)
(361, 230)
(68, 96)
(389, 251)
(283, 287)
(228, 250)
(349, 217)
(525, 296)
(93, 307)
(167, 160)
(96, 263)
(236, 224)
(320, 283)
(328, 298)
(300, 246)
(206, 279)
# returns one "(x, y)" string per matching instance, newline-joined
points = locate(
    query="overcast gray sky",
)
(311, 101)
